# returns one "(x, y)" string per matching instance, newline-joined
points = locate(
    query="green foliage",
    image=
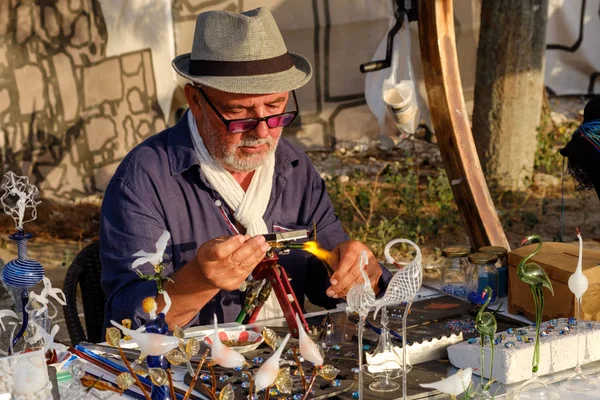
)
(550, 139)
(398, 202)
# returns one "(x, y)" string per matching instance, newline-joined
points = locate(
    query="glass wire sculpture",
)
(535, 276)
(360, 299)
(21, 273)
(578, 285)
(403, 287)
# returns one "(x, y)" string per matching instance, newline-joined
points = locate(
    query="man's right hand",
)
(225, 262)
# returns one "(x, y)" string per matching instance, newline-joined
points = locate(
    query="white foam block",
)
(557, 351)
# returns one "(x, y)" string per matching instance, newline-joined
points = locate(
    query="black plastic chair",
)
(85, 271)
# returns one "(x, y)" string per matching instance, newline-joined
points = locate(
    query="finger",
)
(342, 292)
(344, 283)
(223, 247)
(347, 260)
(250, 253)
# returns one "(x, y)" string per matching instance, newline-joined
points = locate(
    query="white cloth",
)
(248, 206)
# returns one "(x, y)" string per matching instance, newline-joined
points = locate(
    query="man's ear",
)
(193, 99)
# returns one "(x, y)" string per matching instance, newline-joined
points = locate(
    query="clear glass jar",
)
(454, 271)
(483, 272)
(502, 265)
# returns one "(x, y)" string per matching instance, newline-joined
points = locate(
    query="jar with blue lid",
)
(482, 273)
(501, 265)
(454, 271)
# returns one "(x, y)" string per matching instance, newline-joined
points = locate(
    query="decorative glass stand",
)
(384, 363)
(535, 389)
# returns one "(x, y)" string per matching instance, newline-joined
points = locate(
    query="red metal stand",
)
(271, 270)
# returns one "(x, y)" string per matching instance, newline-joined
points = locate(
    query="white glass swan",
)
(308, 349)
(150, 344)
(267, 373)
(223, 355)
(454, 384)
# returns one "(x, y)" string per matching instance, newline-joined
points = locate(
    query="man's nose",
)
(261, 131)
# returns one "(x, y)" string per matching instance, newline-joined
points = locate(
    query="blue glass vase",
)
(22, 272)
(158, 325)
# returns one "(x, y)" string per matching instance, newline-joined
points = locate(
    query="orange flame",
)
(314, 248)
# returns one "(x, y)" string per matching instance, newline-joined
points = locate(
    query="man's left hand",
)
(343, 260)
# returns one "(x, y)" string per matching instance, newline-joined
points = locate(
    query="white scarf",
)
(249, 206)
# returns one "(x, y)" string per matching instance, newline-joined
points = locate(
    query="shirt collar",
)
(180, 150)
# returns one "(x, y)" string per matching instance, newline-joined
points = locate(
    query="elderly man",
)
(218, 180)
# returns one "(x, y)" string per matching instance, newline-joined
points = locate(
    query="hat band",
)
(241, 68)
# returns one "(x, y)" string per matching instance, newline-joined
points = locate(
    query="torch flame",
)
(326, 256)
(314, 249)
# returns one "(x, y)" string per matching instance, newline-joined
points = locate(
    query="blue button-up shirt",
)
(159, 186)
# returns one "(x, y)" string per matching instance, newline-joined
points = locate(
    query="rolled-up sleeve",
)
(127, 225)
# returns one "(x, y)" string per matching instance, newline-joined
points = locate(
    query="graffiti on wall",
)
(83, 81)
(68, 113)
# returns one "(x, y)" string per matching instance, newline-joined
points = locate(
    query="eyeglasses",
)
(248, 124)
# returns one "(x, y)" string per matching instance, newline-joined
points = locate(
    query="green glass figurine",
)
(486, 325)
(535, 276)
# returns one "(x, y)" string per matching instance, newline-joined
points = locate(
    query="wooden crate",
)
(559, 260)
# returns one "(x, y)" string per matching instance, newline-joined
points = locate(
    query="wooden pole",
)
(452, 127)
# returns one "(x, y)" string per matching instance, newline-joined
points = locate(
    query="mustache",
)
(254, 142)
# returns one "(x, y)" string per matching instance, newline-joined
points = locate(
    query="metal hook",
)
(403, 7)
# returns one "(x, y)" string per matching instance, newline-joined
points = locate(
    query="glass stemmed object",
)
(384, 363)
(403, 287)
(360, 299)
(578, 285)
(534, 275)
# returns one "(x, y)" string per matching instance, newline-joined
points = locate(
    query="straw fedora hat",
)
(242, 53)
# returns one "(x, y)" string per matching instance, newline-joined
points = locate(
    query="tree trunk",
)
(509, 88)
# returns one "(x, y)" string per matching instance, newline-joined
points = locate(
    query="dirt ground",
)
(62, 230)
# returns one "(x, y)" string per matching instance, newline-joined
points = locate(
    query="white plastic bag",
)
(391, 92)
